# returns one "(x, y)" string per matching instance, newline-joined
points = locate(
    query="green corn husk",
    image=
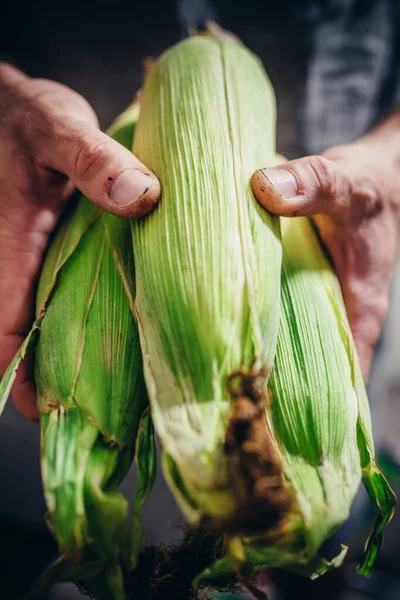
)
(91, 395)
(255, 388)
(265, 436)
(202, 312)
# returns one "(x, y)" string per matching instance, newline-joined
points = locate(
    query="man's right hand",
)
(352, 193)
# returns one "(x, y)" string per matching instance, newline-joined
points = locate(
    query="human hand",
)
(50, 143)
(352, 193)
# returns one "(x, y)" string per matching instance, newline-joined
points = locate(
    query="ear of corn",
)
(266, 442)
(206, 304)
(308, 393)
(91, 393)
(90, 389)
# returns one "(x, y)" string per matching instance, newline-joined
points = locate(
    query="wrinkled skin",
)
(50, 143)
(352, 193)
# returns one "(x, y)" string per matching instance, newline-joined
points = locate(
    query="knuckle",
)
(324, 174)
(366, 202)
(377, 312)
(368, 318)
(89, 156)
(381, 309)
(370, 200)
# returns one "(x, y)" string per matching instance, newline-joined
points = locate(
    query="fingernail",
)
(129, 186)
(282, 180)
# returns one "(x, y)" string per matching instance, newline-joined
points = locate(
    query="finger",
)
(147, 65)
(303, 187)
(365, 335)
(23, 392)
(106, 172)
(365, 354)
(366, 305)
(10, 74)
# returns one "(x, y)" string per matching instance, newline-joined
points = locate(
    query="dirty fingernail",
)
(129, 186)
(282, 180)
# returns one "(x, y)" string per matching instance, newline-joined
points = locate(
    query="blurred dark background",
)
(97, 47)
(334, 66)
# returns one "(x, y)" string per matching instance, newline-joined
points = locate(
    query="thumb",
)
(106, 172)
(303, 187)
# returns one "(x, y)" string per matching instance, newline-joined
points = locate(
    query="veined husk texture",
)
(206, 304)
(255, 389)
(91, 394)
